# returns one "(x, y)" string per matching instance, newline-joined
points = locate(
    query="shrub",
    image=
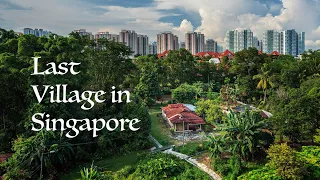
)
(311, 155)
(90, 173)
(235, 164)
(221, 166)
(261, 174)
(285, 161)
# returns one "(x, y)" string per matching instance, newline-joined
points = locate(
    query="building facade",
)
(257, 44)
(230, 40)
(195, 42)
(153, 48)
(142, 45)
(167, 41)
(83, 32)
(36, 32)
(107, 35)
(211, 45)
(239, 40)
(129, 38)
(139, 44)
(245, 40)
(182, 45)
(271, 41)
(301, 42)
(292, 43)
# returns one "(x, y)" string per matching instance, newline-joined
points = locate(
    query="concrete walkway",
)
(194, 162)
(155, 141)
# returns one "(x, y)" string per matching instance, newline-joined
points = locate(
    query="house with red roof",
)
(179, 116)
(207, 54)
(227, 53)
(275, 53)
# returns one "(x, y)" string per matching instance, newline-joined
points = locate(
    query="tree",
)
(148, 87)
(247, 133)
(185, 93)
(180, 67)
(245, 65)
(47, 146)
(296, 111)
(210, 110)
(285, 161)
(264, 81)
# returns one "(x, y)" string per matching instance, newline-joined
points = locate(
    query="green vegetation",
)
(158, 128)
(157, 166)
(109, 164)
(286, 163)
(287, 87)
(192, 148)
(18, 103)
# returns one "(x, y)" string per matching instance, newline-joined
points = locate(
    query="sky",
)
(211, 17)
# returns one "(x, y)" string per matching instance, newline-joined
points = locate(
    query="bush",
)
(285, 161)
(311, 155)
(221, 166)
(90, 173)
(191, 148)
(261, 174)
(185, 93)
(161, 166)
(235, 164)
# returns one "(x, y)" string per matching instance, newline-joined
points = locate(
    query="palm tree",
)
(265, 81)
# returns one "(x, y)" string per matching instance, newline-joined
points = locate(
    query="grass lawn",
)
(158, 129)
(110, 164)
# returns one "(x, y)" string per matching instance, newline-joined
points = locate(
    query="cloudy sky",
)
(212, 17)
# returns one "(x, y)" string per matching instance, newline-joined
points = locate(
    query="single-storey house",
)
(179, 115)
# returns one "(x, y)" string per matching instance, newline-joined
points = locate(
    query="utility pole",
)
(41, 159)
(182, 132)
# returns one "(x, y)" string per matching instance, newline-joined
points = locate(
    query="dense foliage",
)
(286, 163)
(103, 64)
(161, 166)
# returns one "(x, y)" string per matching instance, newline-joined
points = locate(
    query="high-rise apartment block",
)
(211, 45)
(195, 42)
(107, 35)
(83, 32)
(271, 41)
(239, 40)
(153, 48)
(182, 45)
(230, 40)
(36, 32)
(292, 43)
(142, 45)
(245, 40)
(285, 42)
(139, 44)
(257, 44)
(167, 41)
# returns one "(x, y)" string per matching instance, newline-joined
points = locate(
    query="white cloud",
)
(181, 30)
(219, 16)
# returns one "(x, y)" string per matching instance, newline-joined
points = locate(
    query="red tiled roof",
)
(227, 53)
(203, 54)
(177, 113)
(275, 53)
(259, 52)
(163, 54)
